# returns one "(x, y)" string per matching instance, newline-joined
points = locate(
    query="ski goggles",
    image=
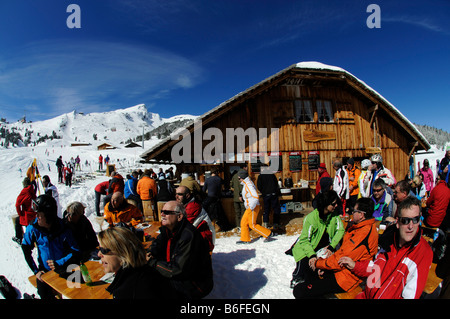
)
(407, 220)
(34, 206)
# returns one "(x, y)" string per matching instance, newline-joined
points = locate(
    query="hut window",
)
(303, 111)
(324, 111)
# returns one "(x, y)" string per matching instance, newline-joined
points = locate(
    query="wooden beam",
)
(375, 109)
(412, 150)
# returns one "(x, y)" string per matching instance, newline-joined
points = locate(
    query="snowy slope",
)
(113, 127)
(257, 270)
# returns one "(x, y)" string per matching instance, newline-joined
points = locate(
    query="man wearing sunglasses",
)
(180, 254)
(400, 269)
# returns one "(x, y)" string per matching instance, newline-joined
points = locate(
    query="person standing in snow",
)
(267, 184)
(55, 243)
(24, 209)
(77, 163)
(60, 166)
(428, 177)
(51, 190)
(130, 190)
(100, 189)
(364, 190)
(322, 169)
(444, 165)
(165, 190)
(353, 177)
(68, 175)
(147, 190)
(340, 184)
(377, 170)
(100, 162)
(238, 203)
(251, 202)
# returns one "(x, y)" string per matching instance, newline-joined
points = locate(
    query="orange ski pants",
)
(249, 220)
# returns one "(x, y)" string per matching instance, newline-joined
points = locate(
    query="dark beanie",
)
(47, 205)
(242, 173)
(325, 183)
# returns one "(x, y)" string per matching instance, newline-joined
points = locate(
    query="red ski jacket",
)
(23, 205)
(397, 272)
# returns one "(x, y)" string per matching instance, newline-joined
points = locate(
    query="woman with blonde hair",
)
(122, 253)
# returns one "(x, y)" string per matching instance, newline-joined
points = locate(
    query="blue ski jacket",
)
(57, 244)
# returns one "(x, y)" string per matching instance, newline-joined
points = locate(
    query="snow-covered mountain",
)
(114, 127)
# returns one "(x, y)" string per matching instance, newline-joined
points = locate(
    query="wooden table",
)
(150, 232)
(64, 287)
(433, 280)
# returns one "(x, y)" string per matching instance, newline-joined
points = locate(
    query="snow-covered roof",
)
(313, 66)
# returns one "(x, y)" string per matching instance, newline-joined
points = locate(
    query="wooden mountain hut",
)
(319, 112)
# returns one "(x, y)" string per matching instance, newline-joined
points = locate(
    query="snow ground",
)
(254, 271)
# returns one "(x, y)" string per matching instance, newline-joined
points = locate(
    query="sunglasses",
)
(377, 190)
(358, 211)
(407, 220)
(169, 212)
(180, 194)
(104, 250)
(335, 203)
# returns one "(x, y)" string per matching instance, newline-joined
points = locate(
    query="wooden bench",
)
(349, 294)
(160, 207)
(149, 210)
(433, 281)
(32, 280)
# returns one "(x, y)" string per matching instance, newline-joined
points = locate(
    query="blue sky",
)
(186, 57)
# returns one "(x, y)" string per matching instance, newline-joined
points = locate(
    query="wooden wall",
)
(274, 108)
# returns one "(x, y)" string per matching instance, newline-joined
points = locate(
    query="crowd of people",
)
(329, 257)
(333, 259)
(177, 264)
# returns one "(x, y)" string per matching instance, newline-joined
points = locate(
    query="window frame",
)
(326, 106)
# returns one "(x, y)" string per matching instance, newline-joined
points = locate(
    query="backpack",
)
(6, 289)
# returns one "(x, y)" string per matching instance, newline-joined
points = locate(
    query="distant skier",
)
(68, 175)
(77, 163)
(100, 162)
(60, 166)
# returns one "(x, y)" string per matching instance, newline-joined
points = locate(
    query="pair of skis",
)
(37, 176)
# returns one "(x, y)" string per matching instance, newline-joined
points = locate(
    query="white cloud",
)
(64, 75)
(421, 22)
